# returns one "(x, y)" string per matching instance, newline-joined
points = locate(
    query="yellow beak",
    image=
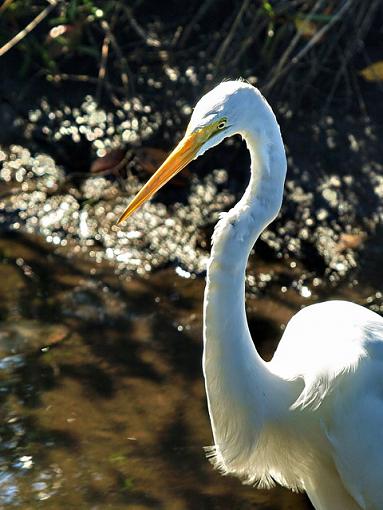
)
(185, 152)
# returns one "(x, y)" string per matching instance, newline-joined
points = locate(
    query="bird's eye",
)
(222, 124)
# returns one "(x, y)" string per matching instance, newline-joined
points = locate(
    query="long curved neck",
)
(238, 383)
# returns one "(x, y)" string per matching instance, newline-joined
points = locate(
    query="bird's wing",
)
(321, 342)
(354, 424)
(336, 349)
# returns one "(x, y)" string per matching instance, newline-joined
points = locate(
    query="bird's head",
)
(215, 117)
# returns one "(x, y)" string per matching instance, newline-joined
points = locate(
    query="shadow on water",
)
(101, 387)
(112, 413)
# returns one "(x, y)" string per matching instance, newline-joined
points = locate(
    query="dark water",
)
(103, 406)
(107, 410)
(101, 387)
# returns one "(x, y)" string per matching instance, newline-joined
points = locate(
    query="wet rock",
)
(25, 336)
(12, 286)
(11, 278)
(91, 302)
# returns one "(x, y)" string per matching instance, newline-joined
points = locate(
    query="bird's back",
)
(323, 341)
(336, 349)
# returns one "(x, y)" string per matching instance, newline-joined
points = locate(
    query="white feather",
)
(312, 418)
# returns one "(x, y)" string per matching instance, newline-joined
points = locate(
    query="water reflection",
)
(103, 404)
(333, 200)
(112, 414)
(83, 221)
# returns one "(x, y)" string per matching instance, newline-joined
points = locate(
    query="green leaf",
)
(268, 8)
(128, 484)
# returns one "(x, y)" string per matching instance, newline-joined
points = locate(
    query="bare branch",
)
(31, 26)
(123, 63)
(198, 15)
(5, 5)
(230, 35)
(102, 68)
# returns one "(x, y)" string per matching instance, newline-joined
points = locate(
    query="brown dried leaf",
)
(350, 241)
(305, 27)
(373, 72)
(151, 158)
(108, 162)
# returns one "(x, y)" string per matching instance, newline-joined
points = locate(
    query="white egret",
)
(312, 418)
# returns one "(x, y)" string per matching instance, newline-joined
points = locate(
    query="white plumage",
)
(312, 418)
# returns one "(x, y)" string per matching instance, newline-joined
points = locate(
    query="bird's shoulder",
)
(325, 341)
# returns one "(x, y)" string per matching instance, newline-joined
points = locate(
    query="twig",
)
(6, 4)
(251, 35)
(123, 63)
(149, 40)
(361, 102)
(102, 68)
(318, 35)
(31, 26)
(105, 50)
(189, 28)
(312, 42)
(279, 70)
(210, 46)
(230, 35)
(84, 78)
(362, 29)
(322, 57)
